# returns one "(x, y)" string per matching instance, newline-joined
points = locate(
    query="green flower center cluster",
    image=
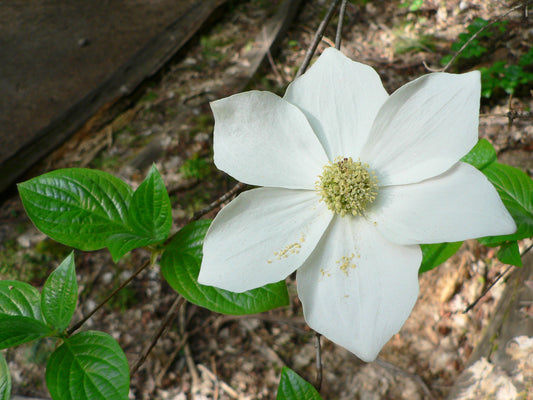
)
(347, 187)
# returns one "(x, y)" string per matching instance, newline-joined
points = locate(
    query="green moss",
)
(201, 123)
(26, 265)
(148, 97)
(195, 168)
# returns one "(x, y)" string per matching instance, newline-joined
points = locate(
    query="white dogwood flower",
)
(353, 181)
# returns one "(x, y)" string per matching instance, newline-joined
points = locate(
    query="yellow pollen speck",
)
(347, 187)
(346, 263)
(293, 248)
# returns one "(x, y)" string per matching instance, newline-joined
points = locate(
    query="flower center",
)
(347, 187)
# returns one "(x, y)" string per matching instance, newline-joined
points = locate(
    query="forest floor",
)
(226, 357)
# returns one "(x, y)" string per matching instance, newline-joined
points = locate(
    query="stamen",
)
(347, 187)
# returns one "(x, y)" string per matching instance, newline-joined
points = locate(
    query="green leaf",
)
(180, 266)
(88, 365)
(515, 188)
(60, 294)
(89, 210)
(5, 379)
(78, 207)
(509, 253)
(416, 5)
(20, 298)
(293, 387)
(434, 255)
(481, 155)
(17, 329)
(150, 212)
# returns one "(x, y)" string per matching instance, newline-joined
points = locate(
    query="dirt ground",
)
(225, 357)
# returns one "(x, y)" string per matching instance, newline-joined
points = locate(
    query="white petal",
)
(340, 98)
(263, 140)
(261, 237)
(424, 128)
(457, 205)
(362, 305)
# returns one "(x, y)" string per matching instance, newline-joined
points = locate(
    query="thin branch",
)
(526, 250)
(227, 388)
(318, 36)
(318, 348)
(470, 306)
(271, 60)
(475, 35)
(338, 36)
(169, 317)
(177, 349)
(191, 365)
(230, 193)
(114, 292)
(513, 114)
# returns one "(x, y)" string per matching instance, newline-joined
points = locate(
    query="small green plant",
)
(211, 47)
(500, 76)
(477, 47)
(195, 168)
(507, 77)
(413, 5)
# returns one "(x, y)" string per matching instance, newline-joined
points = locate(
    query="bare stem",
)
(318, 348)
(470, 306)
(233, 191)
(114, 292)
(525, 4)
(169, 317)
(338, 36)
(318, 36)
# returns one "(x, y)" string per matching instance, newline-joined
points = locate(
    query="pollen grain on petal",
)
(324, 272)
(292, 248)
(345, 263)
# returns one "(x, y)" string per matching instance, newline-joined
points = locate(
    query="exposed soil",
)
(226, 357)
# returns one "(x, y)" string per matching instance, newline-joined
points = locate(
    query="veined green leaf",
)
(20, 298)
(60, 294)
(88, 365)
(434, 255)
(78, 207)
(5, 379)
(509, 253)
(481, 155)
(89, 210)
(180, 265)
(293, 387)
(17, 329)
(150, 213)
(515, 188)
